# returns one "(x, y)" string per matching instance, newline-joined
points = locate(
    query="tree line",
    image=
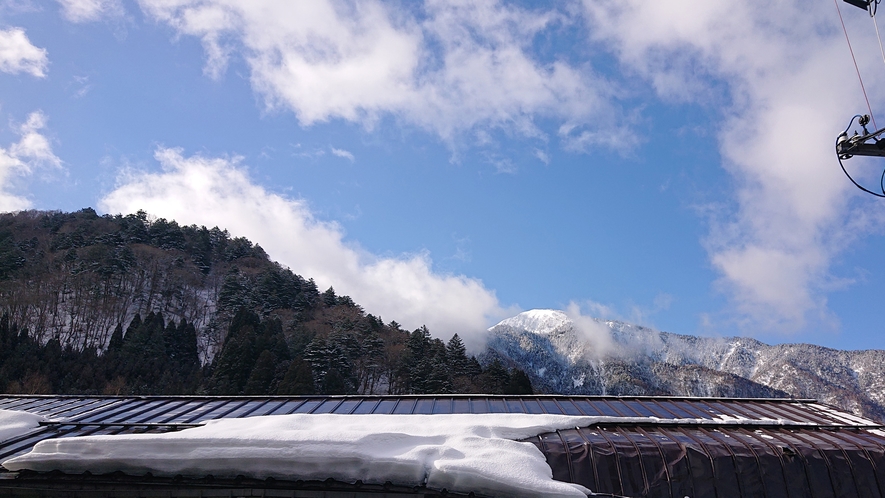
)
(152, 356)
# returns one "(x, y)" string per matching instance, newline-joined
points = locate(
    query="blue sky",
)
(452, 163)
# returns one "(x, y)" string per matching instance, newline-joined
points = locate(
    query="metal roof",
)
(727, 461)
(642, 446)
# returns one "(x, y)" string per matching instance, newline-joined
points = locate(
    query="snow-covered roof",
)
(488, 445)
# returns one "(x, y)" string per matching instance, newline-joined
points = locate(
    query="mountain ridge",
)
(558, 355)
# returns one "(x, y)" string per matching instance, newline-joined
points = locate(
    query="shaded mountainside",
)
(132, 305)
(75, 276)
(628, 359)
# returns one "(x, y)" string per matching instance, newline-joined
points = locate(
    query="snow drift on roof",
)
(460, 452)
(15, 423)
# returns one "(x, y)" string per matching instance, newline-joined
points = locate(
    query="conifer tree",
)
(417, 365)
(116, 342)
(474, 369)
(456, 356)
(329, 297)
(183, 361)
(235, 362)
(368, 361)
(439, 379)
(262, 375)
(143, 357)
(519, 383)
(233, 294)
(335, 383)
(495, 379)
(298, 378)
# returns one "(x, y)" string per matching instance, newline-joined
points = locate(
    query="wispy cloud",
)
(596, 334)
(504, 165)
(90, 10)
(638, 314)
(406, 289)
(593, 309)
(458, 66)
(79, 86)
(462, 249)
(20, 159)
(18, 55)
(342, 153)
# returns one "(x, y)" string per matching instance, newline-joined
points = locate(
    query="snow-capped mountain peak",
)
(591, 356)
(538, 321)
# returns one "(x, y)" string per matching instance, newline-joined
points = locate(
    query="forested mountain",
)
(634, 360)
(134, 305)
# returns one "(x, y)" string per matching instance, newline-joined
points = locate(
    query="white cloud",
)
(19, 160)
(783, 76)
(594, 309)
(33, 145)
(9, 166)
(457, 66)
(90, 10)
(79, 86)
(204, 190)
(597, 334)
(638, 314)
(503, 165)
(18, 55)
(590, 320)
(342, 153)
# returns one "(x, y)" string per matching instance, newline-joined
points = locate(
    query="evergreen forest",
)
(130, 304)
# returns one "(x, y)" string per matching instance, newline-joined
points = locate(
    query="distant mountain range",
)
(617, 358)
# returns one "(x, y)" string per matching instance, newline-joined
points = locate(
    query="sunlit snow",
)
(461, 453)
(579, 381)
(541, 321)
(15, 423)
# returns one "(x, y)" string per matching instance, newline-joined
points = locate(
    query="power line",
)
(856, 68)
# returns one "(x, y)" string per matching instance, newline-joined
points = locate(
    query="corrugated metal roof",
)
(734, 461)
(84, 415)
(189, 409)
(641, 446)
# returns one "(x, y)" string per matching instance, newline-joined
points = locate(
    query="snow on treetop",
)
(539, 321)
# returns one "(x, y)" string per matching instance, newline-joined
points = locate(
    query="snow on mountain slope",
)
(544, 322)
(561, 355)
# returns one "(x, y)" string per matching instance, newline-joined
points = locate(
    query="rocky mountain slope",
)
(611, 357)
(75, 276)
